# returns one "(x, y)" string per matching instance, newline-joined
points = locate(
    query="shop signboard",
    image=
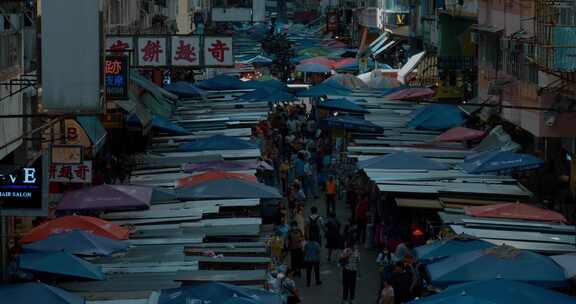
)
(397, 19)
(119, 45)
(66, 154)
(218, 51)
(185, 51)
(77, 173)
(116, 77)
(152, 51)
(24, 189)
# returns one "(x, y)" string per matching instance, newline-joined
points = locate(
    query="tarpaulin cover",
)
(217, 165)
(411, 94)
(107, 197)
(161, 124)
(343, 105)
(163, 195)
(499, 161)
(217, 142)
(496, 291)
(150, 86)
(36, 292)
(217, 293)
(313, 68)
(497, 262)
(379, 79)
(321, 60)
(184, 89)
(324, 90)
(347, 81)
(257, 59)
(351, 123)
(221, 82)
(440, 249)
(402, 161)
(437, 117)
(190, 181)
(515, 211)
(76, 222)
(460, 134)
(60, 263)
(95, 131)
(227, 188)
(255, 84)
(497, 140)
(267, 94)
(79, 242)
(568, 262)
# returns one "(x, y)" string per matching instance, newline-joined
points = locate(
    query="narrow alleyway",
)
(331, 289)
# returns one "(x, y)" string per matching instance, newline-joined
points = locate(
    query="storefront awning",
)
(410, 65)
(385, 47)
(95, 131)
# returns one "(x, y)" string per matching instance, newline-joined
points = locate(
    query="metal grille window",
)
(10, 46)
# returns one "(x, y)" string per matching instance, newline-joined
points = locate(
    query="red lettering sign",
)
(217, 50)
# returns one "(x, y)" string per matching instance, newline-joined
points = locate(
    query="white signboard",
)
(63, 173)
(185, 51)
(218, 51)
(152, 51)
(71, 35)
(119, 43)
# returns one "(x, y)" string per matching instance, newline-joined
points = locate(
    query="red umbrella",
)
(319, 60)
(460, 134)
(515, 211)
(411, 94)
(212, 175)
(75, 222)
(344, 61)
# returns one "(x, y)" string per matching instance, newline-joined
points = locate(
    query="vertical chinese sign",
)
(152, 51)
(185, 51)
(218, 51)
(116, 77)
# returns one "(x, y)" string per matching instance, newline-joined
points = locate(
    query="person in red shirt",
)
(362, 218)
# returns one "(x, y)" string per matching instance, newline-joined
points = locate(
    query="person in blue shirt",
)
(312, 261)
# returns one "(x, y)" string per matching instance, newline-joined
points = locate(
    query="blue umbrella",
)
(159, 123)
(227, 189)
(60, 263)
(402, 161)
(269, 84)
(445, 248)
(267, 95)
(351, 123)
(79, 242)
(36, 292)
(217, 293)
(497, 262)
(217, 142)
(496, 291)
(184, 89)
(500, 161)
(437, 117)
(312, 68)
(343, 105)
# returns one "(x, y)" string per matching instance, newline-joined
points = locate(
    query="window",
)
(232, 4)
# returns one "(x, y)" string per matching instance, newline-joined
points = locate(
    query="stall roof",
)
(419, 203)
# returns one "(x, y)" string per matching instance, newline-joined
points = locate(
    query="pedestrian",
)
(387, 294)
(333, 236)
(330, 195)
(312, 260)
(349, 261)
(349, 232)
(385, 264)
(401, 282)
(288, 287)
(362, 218)
(314, 225)
(299, 218)
(296, 246)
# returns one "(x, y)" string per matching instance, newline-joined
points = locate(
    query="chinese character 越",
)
(119, 46)
(218, 48)
(66, 172)
(81, 171)
(52, 171)
(185, 52)
(113, 67)
(152, 51)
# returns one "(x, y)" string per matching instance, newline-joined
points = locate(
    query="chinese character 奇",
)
(185, 52)
(81, 171)
(218, 48)
(152, 51)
